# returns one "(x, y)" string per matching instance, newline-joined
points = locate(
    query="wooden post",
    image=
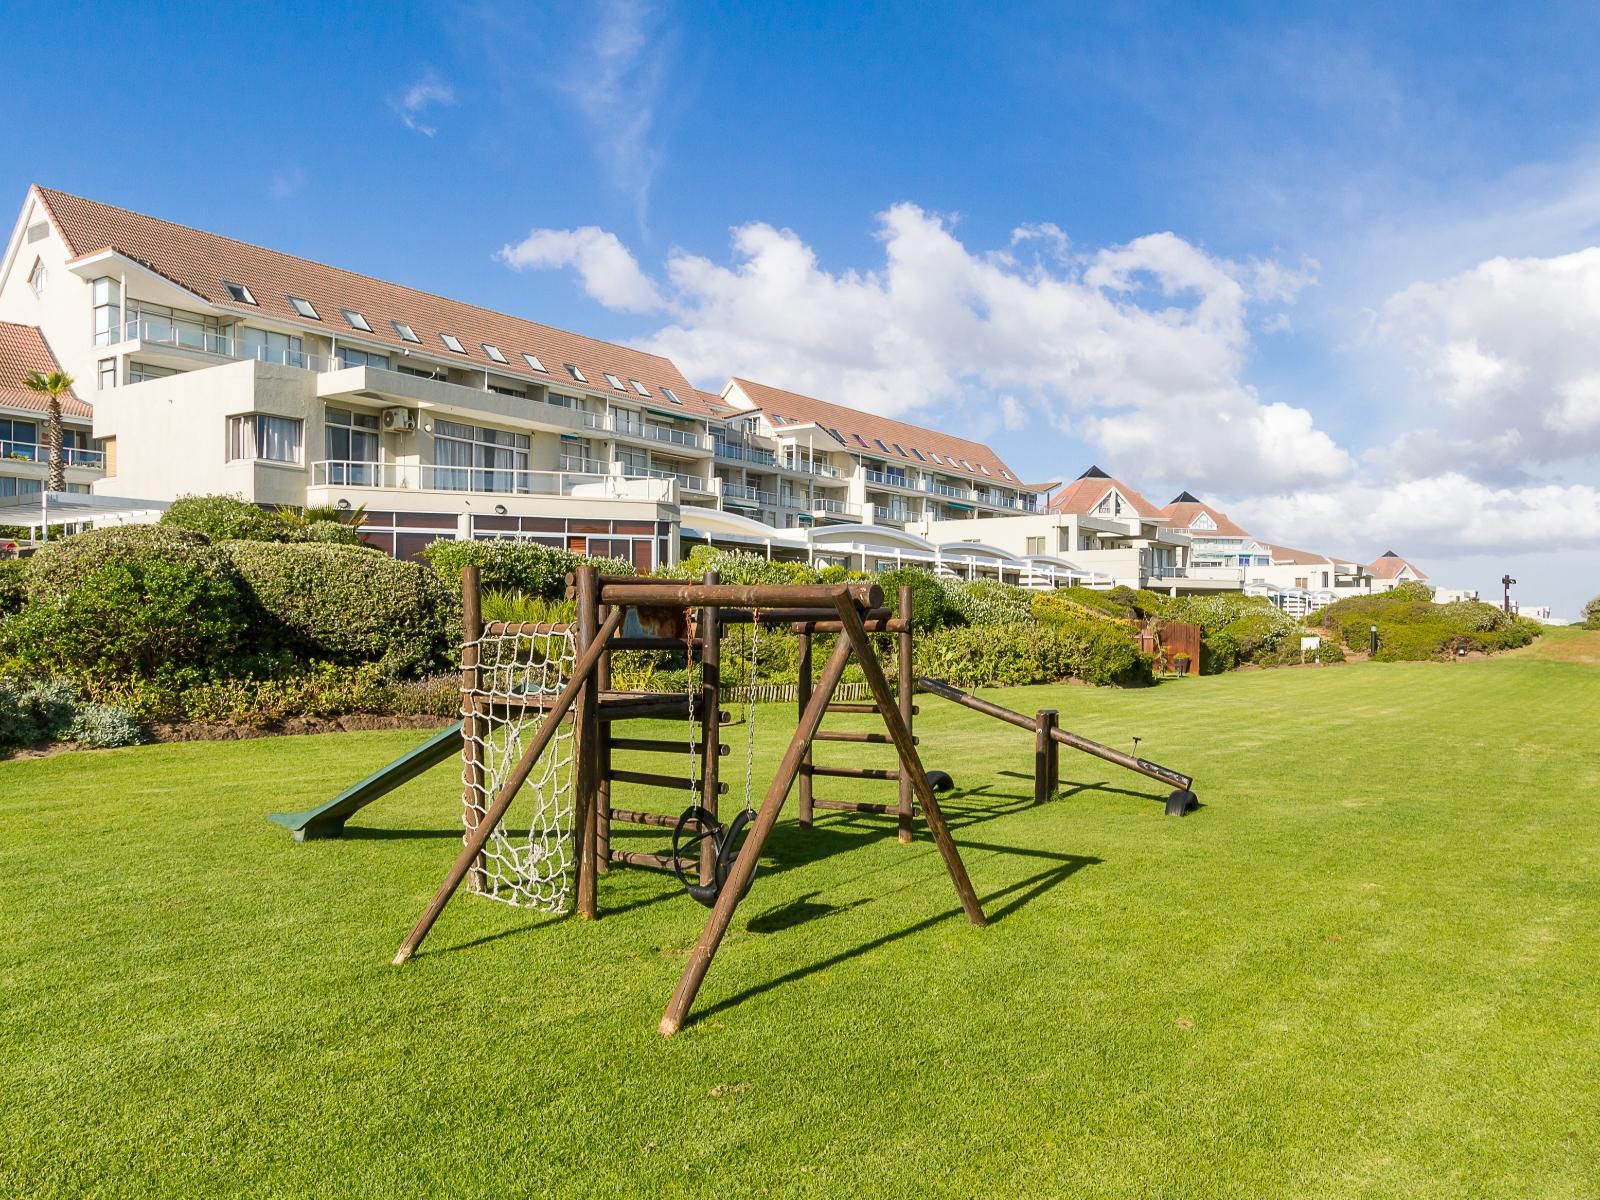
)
(582, 679)
(602, 750)
(910, 762)
(694, 971)
(472, 721)
(710, 722)
(1044, 752)
(585, 750)
(803, 697)
(1053, 759)
(907, 690)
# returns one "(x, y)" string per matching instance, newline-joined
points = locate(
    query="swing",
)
(696, 824)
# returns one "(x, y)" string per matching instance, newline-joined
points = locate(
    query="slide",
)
(327, 820)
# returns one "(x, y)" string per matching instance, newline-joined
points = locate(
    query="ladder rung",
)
(643, 818)
(636, 858)
(649, 779)
(662, 746)
(852, 707)
(889, 773)
(852, 806)
(848, 735)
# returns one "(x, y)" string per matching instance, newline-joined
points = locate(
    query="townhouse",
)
(24, 454)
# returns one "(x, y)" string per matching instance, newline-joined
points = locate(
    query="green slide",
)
(327, 820)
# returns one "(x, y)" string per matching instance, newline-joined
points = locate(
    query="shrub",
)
(130, 601)
(1411, 628)
(104, 727)
(49, 710)
(346, 605)
(532, 610)
(1010, 655)
(13, 585)
(1113, 603)
(1591, 613)
(1413, 590)
(515, 565)
(324, 690)
(224, 518)
(739, 567)
(928, 604)
(987, 602)
(430, 696)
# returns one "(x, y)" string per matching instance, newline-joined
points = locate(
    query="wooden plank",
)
(802, 693)
(905, 694)
(710, 722)
(663, 746)
(862, 807)
(585, 749)
(851, 735)
(638, 858)
(853, 772)
(678, 783)
(1044, 721)
(659, 593)
(633, 817)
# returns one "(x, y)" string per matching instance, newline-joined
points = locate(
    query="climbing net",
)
(520, 671)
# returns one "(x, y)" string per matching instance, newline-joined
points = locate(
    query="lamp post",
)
(1506, 581)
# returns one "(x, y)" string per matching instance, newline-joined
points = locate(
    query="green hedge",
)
(345, 605)
(929, 608)
(1412, 628)
(1591, 613)
(1086, 648)
(225, 518)
(986, 602)
(740, 567)
(13, 585)
(515, 565)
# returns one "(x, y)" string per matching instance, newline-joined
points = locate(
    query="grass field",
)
(1366, 967)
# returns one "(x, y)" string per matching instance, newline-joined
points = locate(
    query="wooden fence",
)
(1169, 641)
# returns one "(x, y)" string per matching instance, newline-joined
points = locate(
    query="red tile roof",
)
(1389, 565)
(1299, 558)
(1182, 514)
(1085, 492)
(23, 349)
(199, 262)
(869, 427)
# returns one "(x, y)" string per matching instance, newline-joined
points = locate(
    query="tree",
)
(1591, 613)
(52, 385)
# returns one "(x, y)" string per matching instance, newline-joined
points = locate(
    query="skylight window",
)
(918, 453)
(238, 292)
(899, 450)
(452, 343)
(533, 361)
(1006, 475)
(356, 320)
(305, 308)
(983, 468)
(776, 419)
(407, 334)
(493, 352)
(671, 395)
(966, 464)
(861, 440)
(640, 388)
(615, 382)
(881, 446)
(575, 373)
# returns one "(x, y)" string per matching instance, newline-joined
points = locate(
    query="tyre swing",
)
(696, 824)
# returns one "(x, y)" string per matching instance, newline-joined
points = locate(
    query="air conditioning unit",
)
(399, 420)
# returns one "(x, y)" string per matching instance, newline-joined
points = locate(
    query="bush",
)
(430, 696)
(515, 565)
(1591, 613)
(1412, 628)
(131, 601)
(224, 518)
(104, 727)
(50, 710)
(739, 567)
(1090, 649)
(13, 585)
(324, 690)
(928, 605)
(986, 602)
(1412, 590)
(345, 605)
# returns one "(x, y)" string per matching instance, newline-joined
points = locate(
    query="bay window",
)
(259, 437)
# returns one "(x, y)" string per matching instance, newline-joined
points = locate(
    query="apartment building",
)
(24, 454)
(1389, 570)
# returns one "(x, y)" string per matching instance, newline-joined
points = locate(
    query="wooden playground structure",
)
(572, 704)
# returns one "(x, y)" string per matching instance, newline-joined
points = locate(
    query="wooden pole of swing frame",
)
(710, 721)
(694, 971)
(802, 694)
(586, 748)
(906, 691)
(582, 677)
(472, 720)
(602, 764)
(1045, 755)
(910, 761)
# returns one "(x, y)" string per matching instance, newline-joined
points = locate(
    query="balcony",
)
(584, 466)
(812, 468)
(738, 453)
(835, 508)
(34, 452)
(893, 515)
(189, 341)
(428, 477)
(739, 493)
(689, 483)
(883, 479)
(649, 433)
(944, 489)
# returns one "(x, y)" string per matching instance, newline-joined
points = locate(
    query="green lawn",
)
(1366, 967)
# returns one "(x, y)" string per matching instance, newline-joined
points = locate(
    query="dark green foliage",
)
(1591, 613)
(133, 601)
(1114, 603)
(739, 567)
(1087, 648)
(1412, 628)
(233, 518)
(13, 585)
(515, 565)
(986, 602)
(345, 605)
(928, 604)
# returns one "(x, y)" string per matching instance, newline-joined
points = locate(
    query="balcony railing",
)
(223, 345)
(427, 477)
(897, 515)
(835, 508)
(733, 450)
(884, 479)
(36, 452)
(655, 433)
(812, 468)
(689, 483)
(740, 491)
(944, 489)
(584, 466)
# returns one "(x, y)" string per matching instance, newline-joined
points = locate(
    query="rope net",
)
(528, 859)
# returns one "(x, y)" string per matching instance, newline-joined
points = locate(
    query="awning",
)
(78, 508)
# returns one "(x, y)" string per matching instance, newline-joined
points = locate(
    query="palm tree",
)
(52, 385)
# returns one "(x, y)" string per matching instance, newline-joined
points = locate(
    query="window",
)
(107, 295)
(966, 464)
(351, 443)
(107, 374)
(356, 320)
(304, 308)
(256, 436)
(139, 372)
(615, 382)
(493, 352)
(918, 453)
(575, 373)
(470, 458)
(1006, 475)
(640, 388)
(452, 343)
(533, 361)
(11, 488)
(671, 395)
(238, 293)
(898, 450)
(407, 334)
(880, 445)
(1202, 521)
(270, 346)
(349, 356)
(20, 433)
(1035, 546)
(158, 323)
(37, 279)
(983, 468)
(860, 439)
(560, 401)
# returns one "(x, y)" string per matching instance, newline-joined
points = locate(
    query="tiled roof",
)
(1085, 492)
(23, 349)
(1299, 558)
(1183, 512)
(1389, 566)
(199, 262)
(870, 429)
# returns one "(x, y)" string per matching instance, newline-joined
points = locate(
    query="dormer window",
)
(407, 334)
(575, 373)
(304, 307)
(1202, 521)
(533, 361)
(493, 352)
(615, 382)
(238, 293)
(640, 388)
(452, 343)
(356, 320)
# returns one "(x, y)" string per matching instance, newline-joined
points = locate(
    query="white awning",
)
(42, 509)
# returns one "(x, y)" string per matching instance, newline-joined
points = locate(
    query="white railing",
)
(584, 466)
(726, 449)
(429, 477)
(689, 483)
(812, 468)
(944, 489)
(222, 345)
(654, 433)
(898, 515)
(740, 491)
(835, 508)
(36, 452)
(884, 479)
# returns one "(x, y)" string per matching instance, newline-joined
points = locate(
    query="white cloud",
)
(608, 271)
(427, 92)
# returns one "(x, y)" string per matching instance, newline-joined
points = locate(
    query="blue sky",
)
(1234, 247)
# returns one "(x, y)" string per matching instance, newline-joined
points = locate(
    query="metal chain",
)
(750, 710)
(694, 694)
